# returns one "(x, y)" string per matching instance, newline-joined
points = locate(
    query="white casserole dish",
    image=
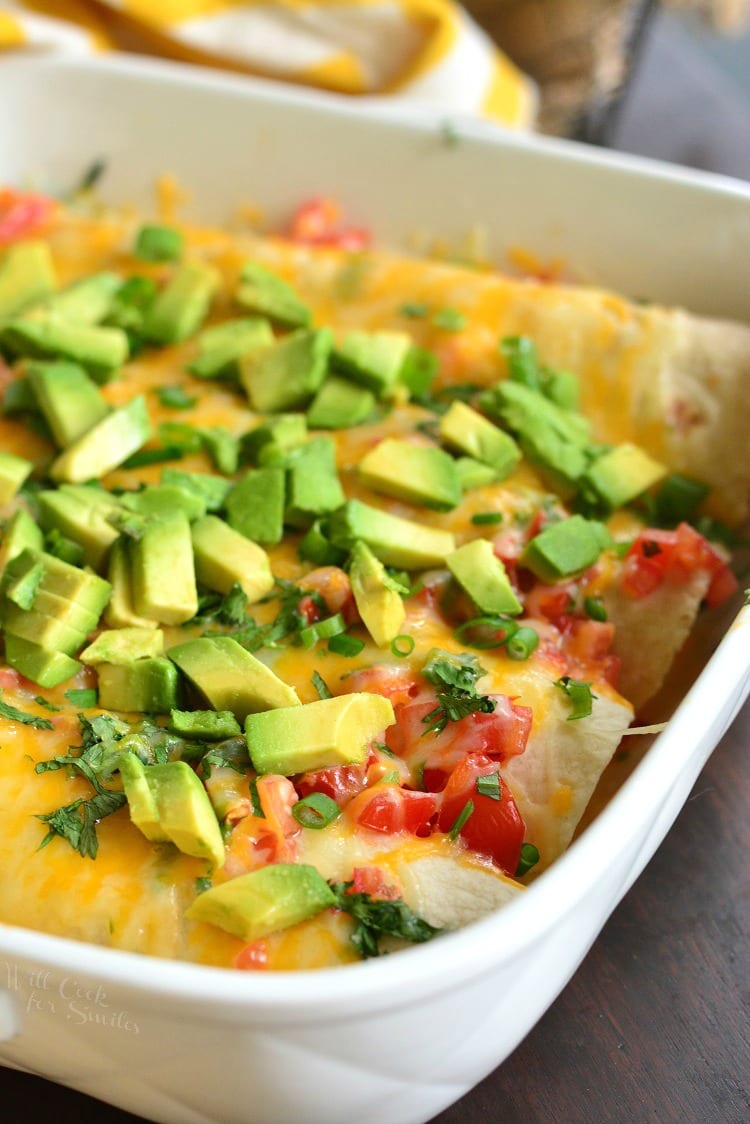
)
(399, 1038)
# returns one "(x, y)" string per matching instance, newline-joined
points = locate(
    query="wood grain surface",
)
(652, 1029)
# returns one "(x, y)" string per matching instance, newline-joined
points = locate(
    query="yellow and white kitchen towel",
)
(429, 52)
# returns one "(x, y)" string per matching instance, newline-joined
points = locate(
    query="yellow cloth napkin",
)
(428, 52)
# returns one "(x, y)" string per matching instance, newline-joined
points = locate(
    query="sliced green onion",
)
(522, 643)
(85, 696)
(471, 633)
(594, 608)
(402, 646)
(450, 319)
(463, 815)
(529, 858)
(175, 397)
(489, 785)
(344, 645)
(155, 456)
(487, 517)
(413, 310)
(322, 630)
(384, 749)
(320, 685)
(316, 811)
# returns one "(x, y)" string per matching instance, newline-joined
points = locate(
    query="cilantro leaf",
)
(580, 695)
(13, 714)
(456, 675)
(376, 918)
(77, 822)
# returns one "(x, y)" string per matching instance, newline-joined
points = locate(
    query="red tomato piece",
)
(392, 810)
(315, 222)
(253, 957)
(495, 828)
(370, 880)
(399, 684)
(22, 214)
(674, 556)
(341, 782)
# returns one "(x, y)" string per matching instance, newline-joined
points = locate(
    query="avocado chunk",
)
(144, 812)
(13, 472)
(120, 612)
(162, 500)
(182, 306)
(230, 677)
(340, 404)
(318, 735)
(163, 572)
(47, 632)
(466, 431)
(21, 588)
(87, 301)
(64, 580)
(19, 398)
(149, 686)
(70, 401)
(38, 664)
(313, 486)
(564, 549)
(221, 348)
(224, 557)
(21, 533)
(27, 275)
(255, 506)
(263, 292)
(620, 475)
(222, 447)
(287, 374)
(211, 490)
(482, 575)
(395, 541)
(123, 645)
(60, 608)
(184, 815)
(473, 474)
(100, 350)
(377, 597)
(264, 901)
(211, 725)
(373, 359)
(419, 474)
(82, 515)
(271, 442)
(158, 243)
(110, 442)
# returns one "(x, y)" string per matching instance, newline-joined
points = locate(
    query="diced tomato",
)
(551, 602)
(316, 222)
(495, 827)
(22, 214)
(370, 880)
(333, 585)
(259, 840)
(392, 810)
(674, 556)
(723, 585)
(341, 782)
(307, 607)
(502, 734)
(399, 684)
(253, 957)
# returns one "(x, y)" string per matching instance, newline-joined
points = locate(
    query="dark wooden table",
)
(653, 1028)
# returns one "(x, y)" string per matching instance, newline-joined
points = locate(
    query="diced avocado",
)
(163, 500)
(181, 307)
(316, 547)
(318, 735)
(561, 387)
(158, 243)
(87, 301)
(40, 629)
(99, 350)
(70, 401)
(473, 474)
(66, 612)
(21, 533)
(340, 404)
(21, 588)
(108, 444)
(564, 549)
(224, 557)
(395, 541)
(468, 432)
(620, 475)
(482, 575)
(81, 514)
(120, 612)
(263, 292)
(277, 435)
(64, 580)
(19, 398)
(149, 686)
(255, 506)
(13, 471)
(230, 677)
(418, 371)
(130, 305)
(212, 725)
(373, 359)
(163, 572)
(313, 485)
(378, 601)
(27, 276)
(221, 348)
(222, 447)
(212, 490)
(123, 645)
(185, 813)
(142, 805)
(419, 474)
(264, 901)
(287, 374)
(47, 668)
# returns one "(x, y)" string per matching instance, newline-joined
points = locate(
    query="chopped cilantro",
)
(13, 714)
(85, 697)
(229, 754)
(175, 398)
(456, 677)
(45, 703)
(202, 884)
(413, 310)
(489, 785)
(321, 686)
(376, 918)
(255, 801)
(450, 319)
(580, 695)
(466, 812)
